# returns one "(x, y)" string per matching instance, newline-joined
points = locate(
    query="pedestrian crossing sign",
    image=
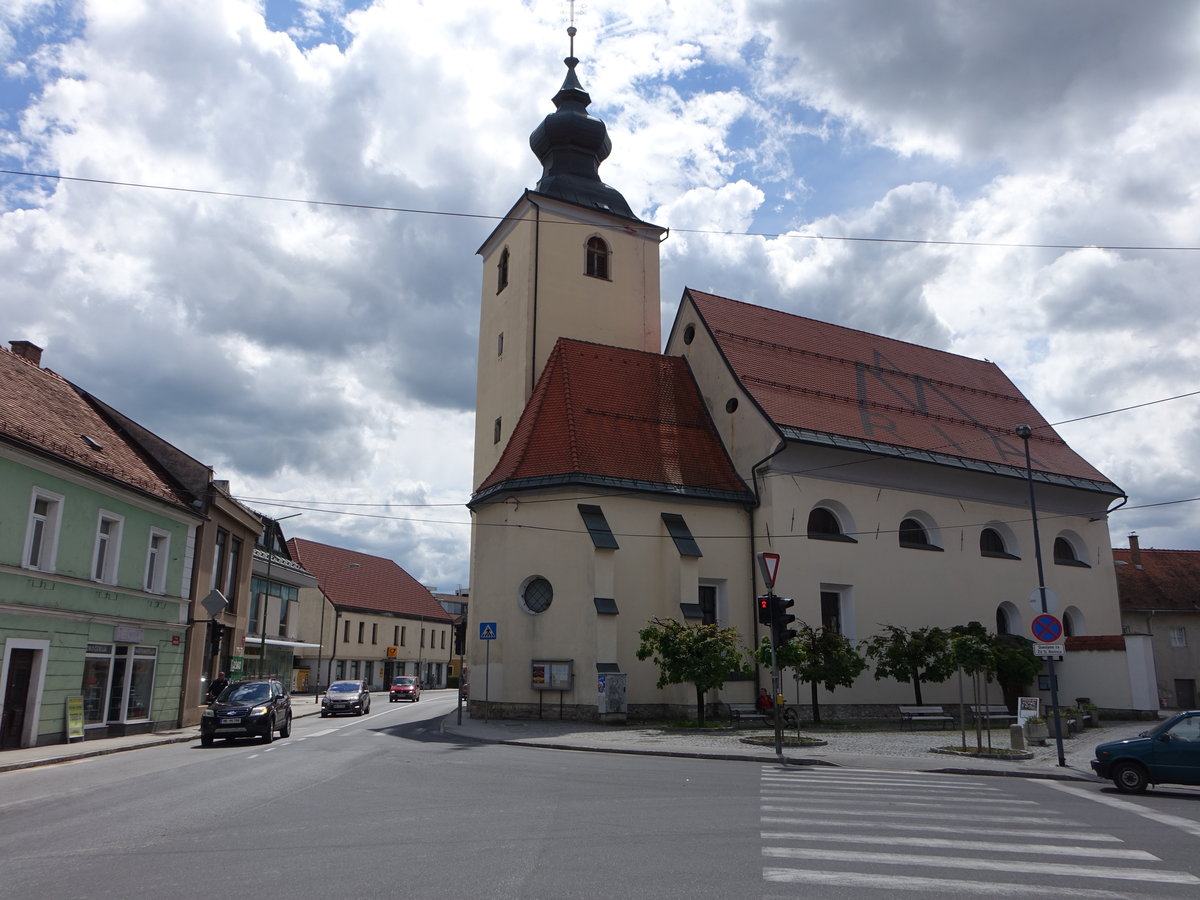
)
(487, 631)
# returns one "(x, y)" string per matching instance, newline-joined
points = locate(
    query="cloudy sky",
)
(323, 356)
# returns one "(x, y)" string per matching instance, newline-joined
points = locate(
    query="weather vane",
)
(571, 29)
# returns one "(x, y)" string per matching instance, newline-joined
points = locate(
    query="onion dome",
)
(571, 144)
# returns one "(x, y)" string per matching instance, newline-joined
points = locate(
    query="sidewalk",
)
(896, 750)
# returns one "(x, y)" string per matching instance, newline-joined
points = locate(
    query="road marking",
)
(1188, 825)
(809, 807)
(952, 829)
(980, 864)
(948, 844)
(916, 883)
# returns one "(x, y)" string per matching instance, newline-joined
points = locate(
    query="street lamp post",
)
(266, 595)
(321, 637)
(1024, 432)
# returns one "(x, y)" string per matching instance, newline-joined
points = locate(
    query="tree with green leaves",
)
(701, 655)
(819, 656)
(917, 656)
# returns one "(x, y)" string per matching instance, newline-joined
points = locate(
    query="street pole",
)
(775, 683)
(1024, 432)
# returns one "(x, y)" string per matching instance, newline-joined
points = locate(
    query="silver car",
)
(346, 697)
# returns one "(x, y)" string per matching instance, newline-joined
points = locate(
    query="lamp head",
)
(1023, 432)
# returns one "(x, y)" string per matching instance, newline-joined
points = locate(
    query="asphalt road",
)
(385, 806)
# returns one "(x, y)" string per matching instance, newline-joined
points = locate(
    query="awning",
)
(276, 642)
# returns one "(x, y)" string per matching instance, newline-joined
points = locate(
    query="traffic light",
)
(780, 620)
(214, 638)
(764, 609)
(460, 638)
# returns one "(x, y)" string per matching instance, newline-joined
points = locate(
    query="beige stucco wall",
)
(646, 577)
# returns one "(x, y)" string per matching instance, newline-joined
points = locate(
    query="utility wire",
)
(463, 215)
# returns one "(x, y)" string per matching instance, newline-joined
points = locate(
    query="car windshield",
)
(344, 687)
(405, 681)
(247, 693)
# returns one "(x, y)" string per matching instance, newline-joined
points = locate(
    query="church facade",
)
(617, 481)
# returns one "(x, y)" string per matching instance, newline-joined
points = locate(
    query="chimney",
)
(1135, 552)
(27, 350)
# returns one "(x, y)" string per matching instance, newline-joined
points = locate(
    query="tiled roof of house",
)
(609, 415)
(1167, 579)
(43, 412)
(827, 379)
(353, 580)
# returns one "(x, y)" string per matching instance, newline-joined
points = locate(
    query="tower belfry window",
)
(502, 271)
(597, 258)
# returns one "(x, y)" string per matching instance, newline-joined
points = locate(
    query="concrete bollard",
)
(1016, 735)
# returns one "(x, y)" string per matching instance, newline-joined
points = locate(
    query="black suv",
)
(248, 709)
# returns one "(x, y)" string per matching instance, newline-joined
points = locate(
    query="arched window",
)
(824, 525)
(1002, 626)
(502, 271)
(992, 543)
(597, 258)
(1065, 554)
(914, 536)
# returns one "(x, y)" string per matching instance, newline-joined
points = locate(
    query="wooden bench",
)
(750, 712)
(910, 715)
(995, 712)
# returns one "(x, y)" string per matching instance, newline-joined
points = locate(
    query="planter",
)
(1037, 732)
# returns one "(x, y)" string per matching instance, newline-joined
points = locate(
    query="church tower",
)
(569, 260)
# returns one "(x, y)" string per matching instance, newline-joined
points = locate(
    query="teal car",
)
(1166, 754)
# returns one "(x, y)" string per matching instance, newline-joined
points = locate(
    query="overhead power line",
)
(1012, 245)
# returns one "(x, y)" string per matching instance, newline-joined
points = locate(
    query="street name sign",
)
(1049, 649)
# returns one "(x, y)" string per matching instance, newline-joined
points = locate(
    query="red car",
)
(405, 687)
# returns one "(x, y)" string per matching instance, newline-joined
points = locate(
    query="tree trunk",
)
(916, 680)
(699, 707)
(815, 708)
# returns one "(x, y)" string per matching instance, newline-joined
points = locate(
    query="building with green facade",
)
(97, 545)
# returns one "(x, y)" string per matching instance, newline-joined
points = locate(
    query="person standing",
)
(218, 684)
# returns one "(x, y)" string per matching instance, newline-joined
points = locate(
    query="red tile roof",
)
(43, 412)
(833, 380)
(626, 416)
(1167, 580)
(353, 580)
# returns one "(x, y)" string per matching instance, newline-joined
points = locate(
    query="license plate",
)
(231, 721)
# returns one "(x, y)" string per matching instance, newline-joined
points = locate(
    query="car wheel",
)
(324, 715)
(286, 730)
(269, 734)
(206, 740)
(1130, 778)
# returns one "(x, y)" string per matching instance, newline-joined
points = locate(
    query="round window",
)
(689, 334)
(731, 404)
(537, 594)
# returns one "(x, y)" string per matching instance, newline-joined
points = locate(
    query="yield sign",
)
(769, 564)
(1047, 628)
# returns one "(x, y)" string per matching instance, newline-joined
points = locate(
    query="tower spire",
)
(570, 144)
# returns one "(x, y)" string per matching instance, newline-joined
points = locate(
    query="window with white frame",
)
(156, 561)
(41, 537)
(108, 548)
(1179, 637)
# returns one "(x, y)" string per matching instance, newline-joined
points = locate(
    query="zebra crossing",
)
(940, 834)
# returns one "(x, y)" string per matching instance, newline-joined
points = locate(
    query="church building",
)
(617, 481)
